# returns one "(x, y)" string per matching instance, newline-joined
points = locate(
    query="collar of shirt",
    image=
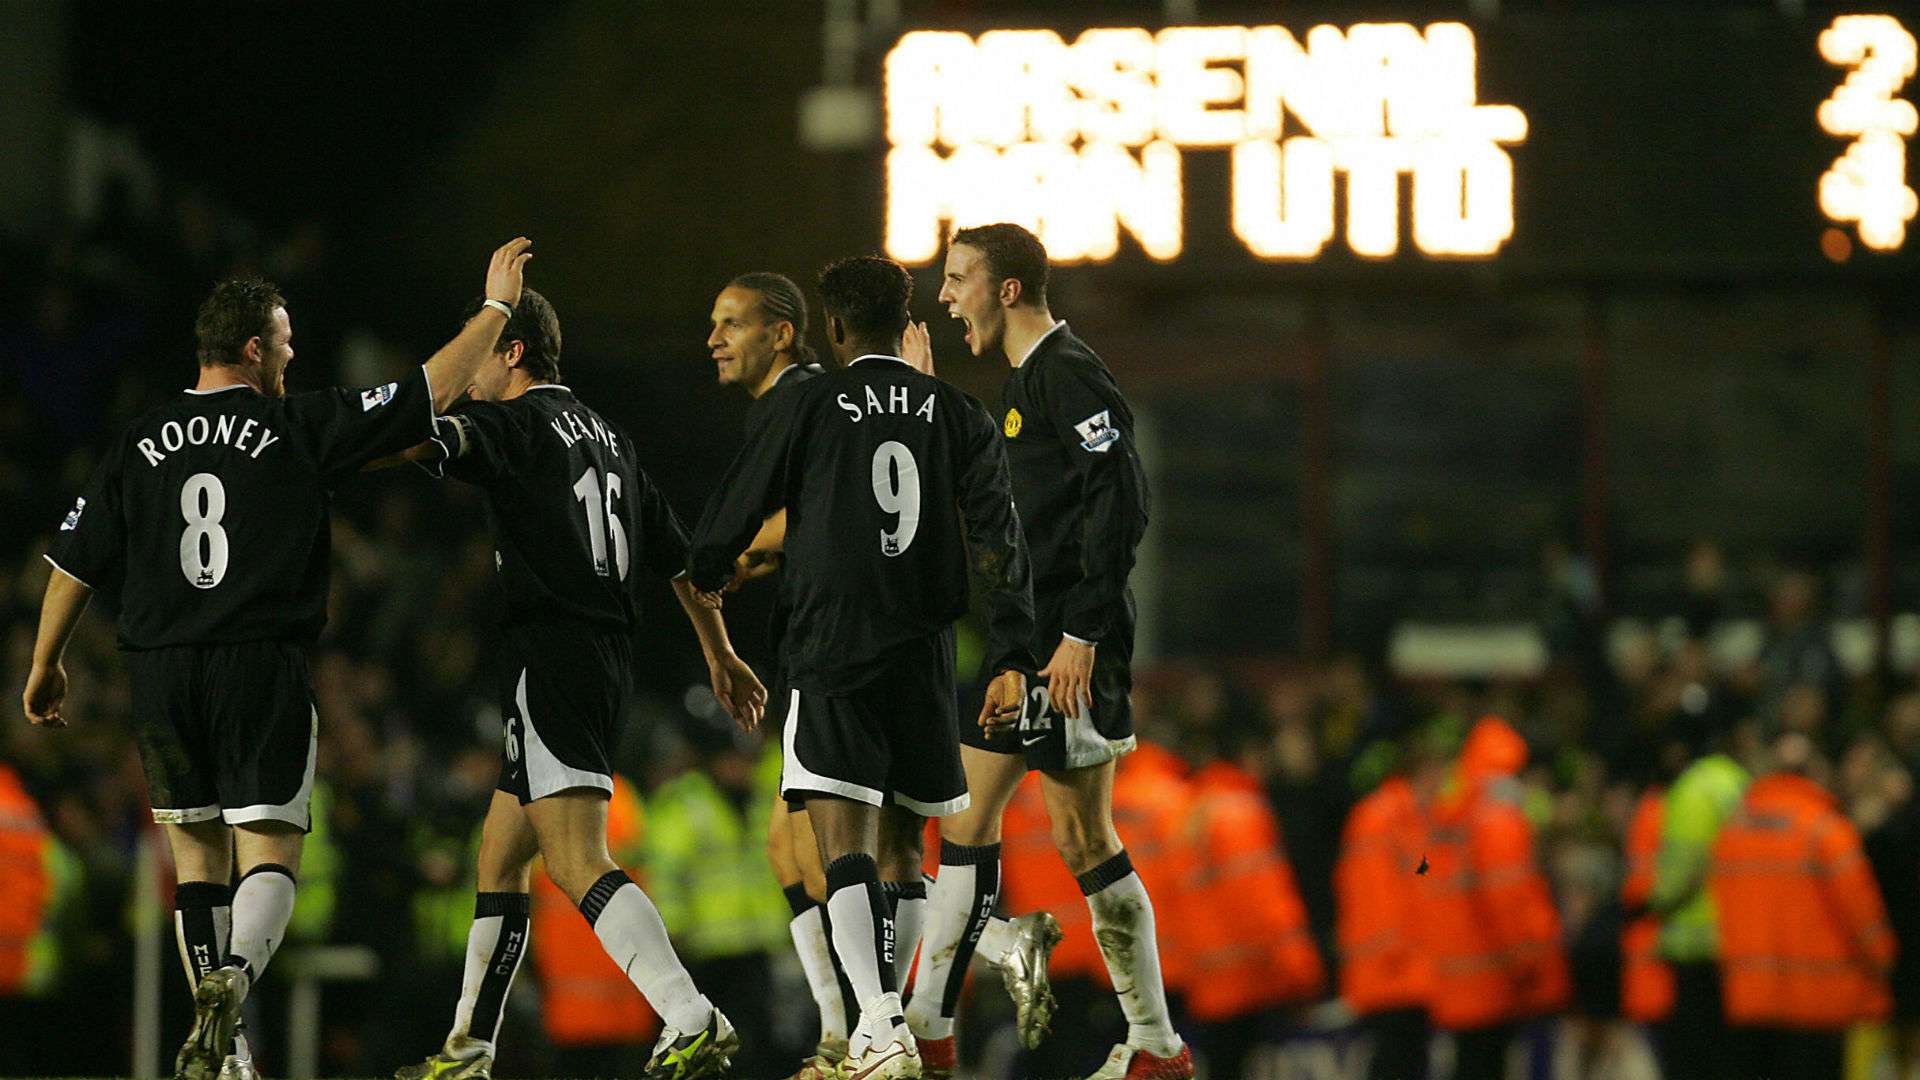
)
(786, 371)
(220, 389)
(878, 356)
(1058, 325)
(550, 386)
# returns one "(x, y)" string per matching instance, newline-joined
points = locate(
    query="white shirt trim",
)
(433, 410)
(64, 570)
(1058, 324)
(1081, 640)
(877, 356)
(549, 386)
(220, 389)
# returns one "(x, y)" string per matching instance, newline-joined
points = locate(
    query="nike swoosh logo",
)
(1035, 741)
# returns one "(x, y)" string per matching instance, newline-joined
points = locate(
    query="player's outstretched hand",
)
(739, 689)
(504, 273)
(46, 690)
(1005, 694)
(1069, 678)
(916, 345)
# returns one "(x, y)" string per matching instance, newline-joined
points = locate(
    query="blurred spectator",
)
(1646, 981)
(1252, 954)
(1489, 924)
(1878, 788)
(1704, 603)
(1385, 974)
(707, 871)
(1797, 678)
(1691, 1042)
(37, 879)
(1804, 942)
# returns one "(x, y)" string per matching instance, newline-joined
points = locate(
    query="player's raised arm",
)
(451, 370)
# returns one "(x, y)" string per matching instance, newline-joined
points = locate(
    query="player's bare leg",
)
(1080, 807)
(572, 830)
(795, 857)
(496, 946)
(880, 1047)
(961, 923)
(268, 855)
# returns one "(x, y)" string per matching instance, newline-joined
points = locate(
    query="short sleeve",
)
(342, 429)
(91, 543)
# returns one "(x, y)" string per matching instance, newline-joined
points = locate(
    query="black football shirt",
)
(1081, 490)
(209, 516)
(893, 482)
(577, 522)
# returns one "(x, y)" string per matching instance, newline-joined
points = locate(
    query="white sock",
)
(262, 907)
(996, 942)
(630, 929)
(496, 944)
(810, 941)
(863, 936)
(909, 916)
(959, 906)
(1123, 925)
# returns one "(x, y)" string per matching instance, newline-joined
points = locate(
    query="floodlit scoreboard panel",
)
(1607, 141)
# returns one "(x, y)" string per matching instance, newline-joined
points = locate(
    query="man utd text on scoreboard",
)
(1079, 141)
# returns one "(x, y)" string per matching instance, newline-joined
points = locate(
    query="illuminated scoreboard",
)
(1082, 140)
(1373, 140)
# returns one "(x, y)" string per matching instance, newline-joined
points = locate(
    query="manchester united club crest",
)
(1012, 426)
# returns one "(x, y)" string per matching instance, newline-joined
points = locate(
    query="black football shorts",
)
(226, 731)
(893, 742)
(1054, 742)
(563, 701)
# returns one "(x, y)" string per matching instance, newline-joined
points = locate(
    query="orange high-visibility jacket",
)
(26, 888)
(1253, 950)
(1382, 963)
(1151, 800)
(1646, 982)
(1488, 922)
(585, 997)
(1804, 940)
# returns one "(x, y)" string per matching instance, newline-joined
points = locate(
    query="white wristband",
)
(500, 306)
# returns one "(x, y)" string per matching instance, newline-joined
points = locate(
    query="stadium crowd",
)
(1547, 868)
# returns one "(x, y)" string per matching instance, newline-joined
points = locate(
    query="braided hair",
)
(783, 301)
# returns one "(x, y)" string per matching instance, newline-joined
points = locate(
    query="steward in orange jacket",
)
(587, 1001)
(1489, 922)
(1646, 982)
(1382, 964)
(1804, 943)
(1385, 977)
(27, 851)
(1252, 951)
